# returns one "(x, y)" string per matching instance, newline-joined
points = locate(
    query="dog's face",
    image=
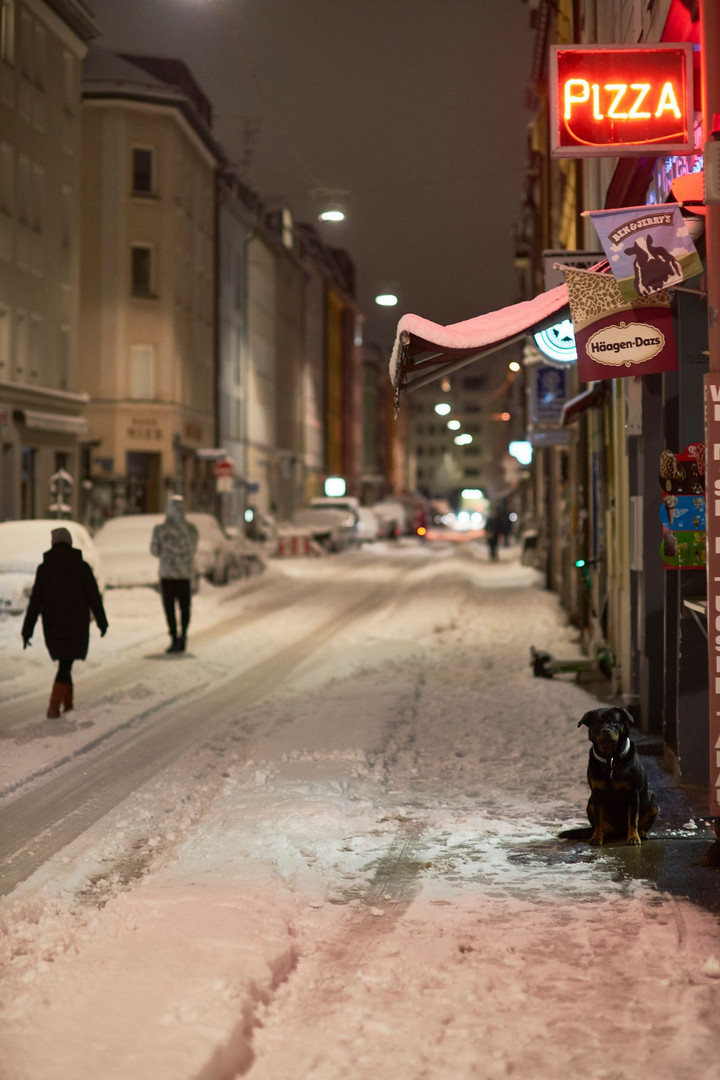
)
(607, 728)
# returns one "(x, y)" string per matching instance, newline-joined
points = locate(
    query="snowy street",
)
(323, 844)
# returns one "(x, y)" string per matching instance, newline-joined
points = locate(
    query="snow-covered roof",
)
(421, 344)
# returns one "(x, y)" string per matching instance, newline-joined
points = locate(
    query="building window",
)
(21, 346)
(35, 349)
(141, 270)
(40, 52)
(7, 31)
(70, 91)
(142, 372)
(64, 359)
(26, 46)
(142, 171)
(5, 340)
(7, 199)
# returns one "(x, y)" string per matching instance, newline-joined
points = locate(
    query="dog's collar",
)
(620, 753)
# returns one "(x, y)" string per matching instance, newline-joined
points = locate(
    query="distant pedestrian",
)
(64, 594)
(174, 542)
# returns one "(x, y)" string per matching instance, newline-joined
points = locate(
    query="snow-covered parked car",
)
(393, 517)
(350, 507)
(221, 555)
(124, 546)
(330, 527)
(22, 546)
(368, 525)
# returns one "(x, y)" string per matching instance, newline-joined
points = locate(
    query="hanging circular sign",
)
(557, 342)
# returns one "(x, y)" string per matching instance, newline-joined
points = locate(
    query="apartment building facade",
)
(43, 427)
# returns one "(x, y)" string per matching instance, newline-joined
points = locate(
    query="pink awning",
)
(424, 349)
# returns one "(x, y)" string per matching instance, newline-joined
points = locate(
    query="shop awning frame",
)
(59, 423)
(425, 351)
(576, 407)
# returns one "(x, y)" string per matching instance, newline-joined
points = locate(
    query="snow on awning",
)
(61, 423)
(428, 350)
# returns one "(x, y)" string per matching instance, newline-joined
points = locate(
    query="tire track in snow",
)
(38, 824)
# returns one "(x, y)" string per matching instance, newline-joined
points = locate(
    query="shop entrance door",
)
(143, 483)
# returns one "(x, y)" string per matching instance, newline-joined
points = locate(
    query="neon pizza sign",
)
(621, 100)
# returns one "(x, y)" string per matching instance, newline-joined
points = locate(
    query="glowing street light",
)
(442, 408)
(333, 213)
(463, 440)
(454, 425)
(514, 366)
(386, 299)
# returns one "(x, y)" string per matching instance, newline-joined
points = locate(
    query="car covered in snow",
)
(347, 504)
(22, 546)
(222, 554)
(329, 526)
(393, 517)
(369, 526)
(124, 546)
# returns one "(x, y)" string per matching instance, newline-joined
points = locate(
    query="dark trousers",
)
(64, 672)
(176, 590)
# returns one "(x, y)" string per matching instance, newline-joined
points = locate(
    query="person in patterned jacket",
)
(174, 542)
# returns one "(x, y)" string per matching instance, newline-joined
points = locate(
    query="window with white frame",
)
(142, 372)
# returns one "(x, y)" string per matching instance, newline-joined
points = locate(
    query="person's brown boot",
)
(68, 699)
(56, 699)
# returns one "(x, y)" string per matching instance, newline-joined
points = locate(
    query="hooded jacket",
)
(174, 542)
(64, 593)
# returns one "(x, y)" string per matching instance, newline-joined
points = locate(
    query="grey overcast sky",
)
(415, 107)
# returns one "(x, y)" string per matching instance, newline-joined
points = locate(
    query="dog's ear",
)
(587, 718)
(628, 718)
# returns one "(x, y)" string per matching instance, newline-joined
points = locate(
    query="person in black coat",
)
(64, 593)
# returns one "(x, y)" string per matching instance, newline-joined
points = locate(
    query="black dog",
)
(621, 805)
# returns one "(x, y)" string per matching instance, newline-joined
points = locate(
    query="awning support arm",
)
(455, 365)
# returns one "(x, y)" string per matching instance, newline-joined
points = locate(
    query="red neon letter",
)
(619, 89)
(643, 89)
(570, 98)
(668, 101)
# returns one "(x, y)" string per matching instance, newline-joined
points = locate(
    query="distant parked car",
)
(22, 545)
(124, 546)
(393, 515)
(221, 554)
(351, 507)
(368, 525)
(332, 528)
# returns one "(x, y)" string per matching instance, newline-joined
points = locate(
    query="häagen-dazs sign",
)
(615, 338)
(625, 344)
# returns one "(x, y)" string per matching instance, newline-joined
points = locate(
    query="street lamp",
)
(454, 425)
(442, 408)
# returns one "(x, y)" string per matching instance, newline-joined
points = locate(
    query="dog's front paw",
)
(596, 840)
(634, 839)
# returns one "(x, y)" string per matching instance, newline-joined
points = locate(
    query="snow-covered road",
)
(346, 863)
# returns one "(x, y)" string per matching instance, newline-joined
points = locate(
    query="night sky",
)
(416, 107)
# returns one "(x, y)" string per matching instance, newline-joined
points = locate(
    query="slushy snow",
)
(359, 874)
